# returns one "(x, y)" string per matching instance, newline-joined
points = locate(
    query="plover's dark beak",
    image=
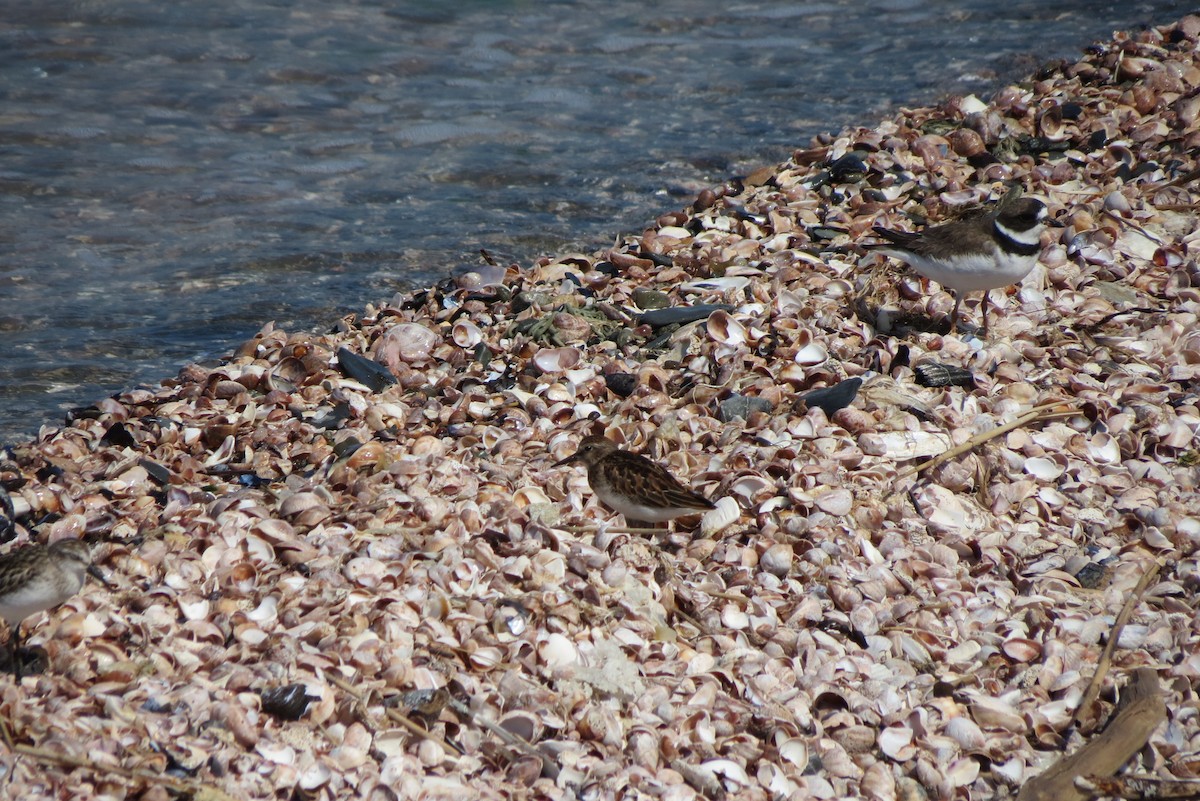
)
(95, 573)
(572, 458)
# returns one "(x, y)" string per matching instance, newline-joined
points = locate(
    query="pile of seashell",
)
(375, 508)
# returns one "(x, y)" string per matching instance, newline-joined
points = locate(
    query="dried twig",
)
(1046, 411)
(1102, 667)
(189, 787)
(394, 715)
(1177, 206)
(703, 781)
(549, 767)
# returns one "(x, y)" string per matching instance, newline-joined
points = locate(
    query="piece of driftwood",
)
(1138, 788)
(1139, 713)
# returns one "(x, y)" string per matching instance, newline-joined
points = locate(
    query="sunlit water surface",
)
(173, 175)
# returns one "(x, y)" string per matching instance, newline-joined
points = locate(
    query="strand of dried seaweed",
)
(1109, 317)
(1047, 411)
(548, 767)
(394, 715)
(1134, 226)
(1102, 667)
(1137, 787)
(1186, 178)
(198, 791)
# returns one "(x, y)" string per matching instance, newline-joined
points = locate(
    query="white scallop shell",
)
(726, 330)
(812, 353)
(580, 374)
(585, 410)
(523, 725)
(901, 445)
(557, 651)
(966, 733)
(835, 502)
(486, 658)
(722, 284)
(972, 105)
(316, 775)
(896, 742)
(838, 288)
(466, 334)
(1044, 469)
(734, 617)
(1021, 649)
(479, 410)
(555, 360)
(750, 486)
(527, 496)
(777, 560)
(794, 750)
(731, 770)
(992, 713)
(194, 610)
(963, 771)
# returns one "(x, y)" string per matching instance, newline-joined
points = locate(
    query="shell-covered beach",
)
(396, 541)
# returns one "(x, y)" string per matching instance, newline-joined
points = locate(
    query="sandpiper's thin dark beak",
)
(1055, 222)
(95, 573)
(572, 458)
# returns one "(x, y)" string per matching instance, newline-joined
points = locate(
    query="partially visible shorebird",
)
(633, 485)
(40, 577)
(983, 250)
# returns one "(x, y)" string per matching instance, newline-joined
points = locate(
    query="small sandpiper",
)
(633, 485)
(40, 577)
(984, 250)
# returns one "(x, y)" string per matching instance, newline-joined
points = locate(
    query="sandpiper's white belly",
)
(636, 511)
(36, 596)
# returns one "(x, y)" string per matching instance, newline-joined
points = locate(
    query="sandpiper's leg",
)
(983, 308)
(14, 643)
(954, 314)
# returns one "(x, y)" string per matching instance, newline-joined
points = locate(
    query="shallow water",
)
(176, 175)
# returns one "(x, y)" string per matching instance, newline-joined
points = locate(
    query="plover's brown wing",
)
(973, 235)
(969, 232)
(635, 476)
